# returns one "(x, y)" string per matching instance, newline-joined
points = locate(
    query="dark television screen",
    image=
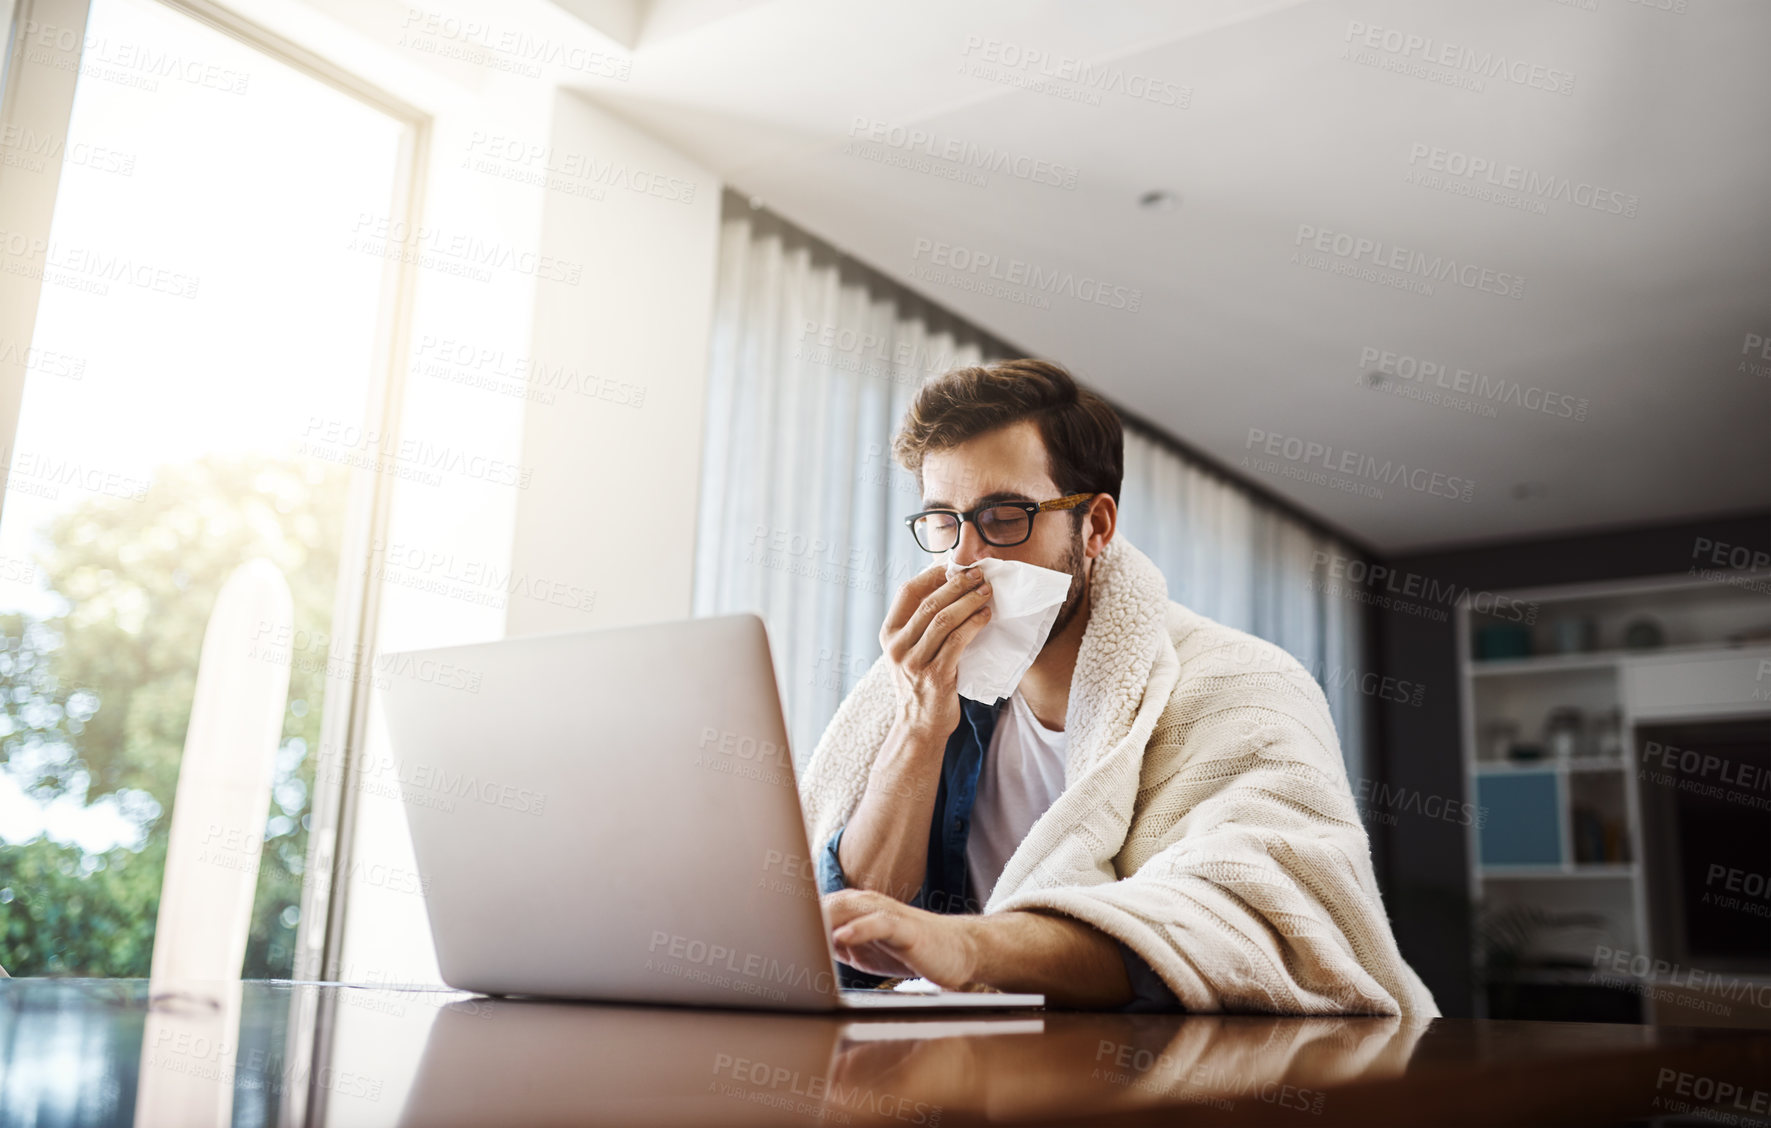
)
(1711, 783)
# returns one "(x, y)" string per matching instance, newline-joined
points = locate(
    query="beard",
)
(1072, 606)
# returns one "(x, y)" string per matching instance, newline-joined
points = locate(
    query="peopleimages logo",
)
(88, 269)
(1004, 61)
(1469, 60)
(508, 49)
(1027, 277)
(127, 63)
(1706, 774)
(1389, 799)
(719, 958)
(885, 355)
(43, 475)
(349, 444)
(454, 252)
(1179, 1077)
(1527, 182)
(580, 174)
(473, 581)
(917, 141)
(819, 1097)
(1659, 972)
(1734, 564)
(47, 361)
(1379, 255)
(1483, 390)
(27, 149)
(1716, 1101)
(1356, 465)
(1328, 568)
(1749, 888)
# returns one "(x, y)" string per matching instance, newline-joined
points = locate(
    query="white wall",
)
(613, 356)
(615, 509)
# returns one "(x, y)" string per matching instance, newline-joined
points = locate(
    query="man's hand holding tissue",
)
(1072, 964)
(930, 623)
(885, 846)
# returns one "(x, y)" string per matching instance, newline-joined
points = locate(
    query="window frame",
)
(41, 99)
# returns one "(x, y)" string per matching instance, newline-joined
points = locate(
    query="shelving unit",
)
(1566, 869)
(1526, 854)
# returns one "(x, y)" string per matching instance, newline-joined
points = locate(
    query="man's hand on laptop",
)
(1073, 964)
(882, 935)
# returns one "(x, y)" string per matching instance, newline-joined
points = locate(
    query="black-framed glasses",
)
(1000, 523)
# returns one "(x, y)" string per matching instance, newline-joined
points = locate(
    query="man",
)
(1153, 820)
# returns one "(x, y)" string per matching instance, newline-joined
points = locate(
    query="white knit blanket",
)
(1205, 820)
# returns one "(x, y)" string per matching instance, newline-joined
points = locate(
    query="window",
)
(207, 365)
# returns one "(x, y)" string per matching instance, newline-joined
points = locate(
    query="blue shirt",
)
(946, 885)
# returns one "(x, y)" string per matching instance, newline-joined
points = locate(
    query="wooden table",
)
(92, 1051)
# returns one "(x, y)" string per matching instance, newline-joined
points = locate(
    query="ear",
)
(1099, 525)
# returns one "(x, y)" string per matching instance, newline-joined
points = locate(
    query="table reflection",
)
(80, 1052)
(549, 1061)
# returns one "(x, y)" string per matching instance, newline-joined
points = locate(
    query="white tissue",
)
(1024, 602)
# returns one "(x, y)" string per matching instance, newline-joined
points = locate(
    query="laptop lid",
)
(612, 815)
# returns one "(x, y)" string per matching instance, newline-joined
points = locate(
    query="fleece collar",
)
(1125, 671)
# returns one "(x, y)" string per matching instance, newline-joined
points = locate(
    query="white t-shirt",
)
(1022, 775)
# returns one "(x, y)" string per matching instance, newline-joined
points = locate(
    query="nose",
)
(971, 547)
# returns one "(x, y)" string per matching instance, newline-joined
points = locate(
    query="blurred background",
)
(1442, 333)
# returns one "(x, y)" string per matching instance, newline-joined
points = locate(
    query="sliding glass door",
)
(208, 338)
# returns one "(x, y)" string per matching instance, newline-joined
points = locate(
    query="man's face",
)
(1008, 464)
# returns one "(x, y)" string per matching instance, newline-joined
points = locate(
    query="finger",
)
(945, 664)
(873, 936)
(885, 928)
(886, 940)
(874, 959)
(915, 589)
(973, 605)
(946, 595)
(847, 904)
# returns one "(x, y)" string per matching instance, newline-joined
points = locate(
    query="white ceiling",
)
(1643, 317)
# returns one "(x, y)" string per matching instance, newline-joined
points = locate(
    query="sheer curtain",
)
(1234, 557)
(813, 362)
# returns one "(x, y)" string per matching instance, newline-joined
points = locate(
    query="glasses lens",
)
(936, 532)
(1006, 524)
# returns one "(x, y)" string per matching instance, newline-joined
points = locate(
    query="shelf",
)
(1596, 659)
(1559, 872)
(1539, 814)
(1545, 663)
(1574, 764)
(1514, 767)
(1606, 976)
(1660, 591)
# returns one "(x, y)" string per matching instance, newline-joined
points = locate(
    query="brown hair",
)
(1084, 441)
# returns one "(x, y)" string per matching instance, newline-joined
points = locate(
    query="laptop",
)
(613, 815)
